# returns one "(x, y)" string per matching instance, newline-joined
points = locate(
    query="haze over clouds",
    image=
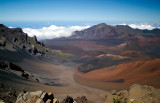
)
(61, 31)
(53, 31)
(142, 26)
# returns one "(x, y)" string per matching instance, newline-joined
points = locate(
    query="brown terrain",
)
(123, 75)
(114, 57)
(45, 69)
(57, 79)
(89, 63)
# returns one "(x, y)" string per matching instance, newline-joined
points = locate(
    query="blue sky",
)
(80, 10)
(49, 19)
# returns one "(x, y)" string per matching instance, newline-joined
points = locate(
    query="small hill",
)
(135, 54)
(123, 75)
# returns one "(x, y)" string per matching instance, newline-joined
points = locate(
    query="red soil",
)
(131, 54)
(154, 41)
(123, 75)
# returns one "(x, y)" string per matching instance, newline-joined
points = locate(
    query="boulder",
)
(23, 47)
(2, 43)
(136, 94)
(144, 94)
(55, 100)
(123, 95)
(114, 92)
(1, 101)
(35, 39)
(35, 97)
(8, 96)
(48, 101)
(15, 39)
(26, 75)
(49, 96)
(30, 50)
(35, 50)
(29, 97)
(9, 65)
(68, 99)
(15, 67)
(82, 99)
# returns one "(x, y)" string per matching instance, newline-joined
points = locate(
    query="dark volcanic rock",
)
(8, 96)
(68, 99)
(14, 39)
(26, 75)
(9, 65)
(82, 99)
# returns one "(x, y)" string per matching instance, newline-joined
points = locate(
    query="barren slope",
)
(123, 75)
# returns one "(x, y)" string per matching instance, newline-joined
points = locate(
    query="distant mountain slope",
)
(103, 31)
(111, 39)
(102, 39)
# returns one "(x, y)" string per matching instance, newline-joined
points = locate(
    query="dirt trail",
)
(62, 77)
(67, 78)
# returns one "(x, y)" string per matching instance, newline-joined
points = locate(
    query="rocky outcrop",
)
(15, 39)
(8, 96)
(44, 97)
(2, 41)
(136, 94)
(10, 66)
(144, 94)
(14, 68)
(82, 99)
(68, 99)
(36, 97)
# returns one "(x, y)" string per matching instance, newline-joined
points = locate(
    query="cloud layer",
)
(53, 31)
(141, 26)
(61, 31)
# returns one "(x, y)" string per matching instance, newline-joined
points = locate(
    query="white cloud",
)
(141, 26)
(123, 24)
(10, 27)
(61, 31)
(53, 31)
